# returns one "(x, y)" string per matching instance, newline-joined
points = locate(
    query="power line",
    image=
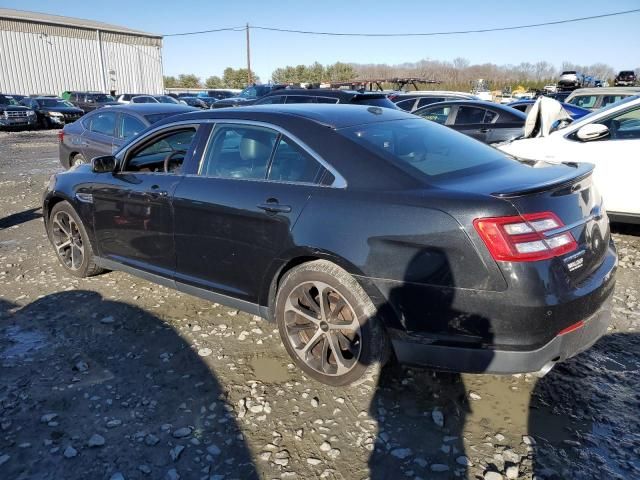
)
(422, 34)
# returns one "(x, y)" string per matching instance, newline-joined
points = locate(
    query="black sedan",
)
(485, 121)
(103, 131)
(358, 230)
(52, 112)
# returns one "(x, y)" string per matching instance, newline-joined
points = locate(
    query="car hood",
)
(13, 108)
(62, 109)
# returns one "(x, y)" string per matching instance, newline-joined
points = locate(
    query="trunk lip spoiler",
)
(597, 212)
(550, 185)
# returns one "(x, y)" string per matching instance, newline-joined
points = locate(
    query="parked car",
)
(166, 99)
(195, 102)
(14, 115)
(325, 95)
(219, 93)
(208, 100)
(610, 139)
(88, 101)
(484, 121)
(103, 131)
(559, 96)
(247, 96)
(125, 98)
(570, 80)
(625, 78)
(411, 101)
(17, 97)
(358, 230)
(576, 112)
(595, 98)
(52, 112)
(155, 99)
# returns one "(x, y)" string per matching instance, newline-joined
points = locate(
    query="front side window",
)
(625, 126)
(104, 123)
(435, 114)
(238, 151)
(249, 92)
(423, 102)
(130, 126)
(293, 164)
(165, 153)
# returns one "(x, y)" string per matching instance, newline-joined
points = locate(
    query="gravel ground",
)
(113, 377)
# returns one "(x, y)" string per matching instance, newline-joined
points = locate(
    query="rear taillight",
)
(61, 136)
(522, 238)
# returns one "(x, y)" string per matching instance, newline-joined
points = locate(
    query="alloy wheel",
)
(67, 240)
(323, 328)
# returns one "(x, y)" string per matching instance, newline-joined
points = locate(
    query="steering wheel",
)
(168, 168)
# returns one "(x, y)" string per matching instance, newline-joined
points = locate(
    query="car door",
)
(133, 218)
(97, 140)
(616, 159)
(235, 214)
(470, 121)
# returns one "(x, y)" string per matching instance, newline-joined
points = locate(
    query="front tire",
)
(78, 159)
(329, 325)
(71, 242)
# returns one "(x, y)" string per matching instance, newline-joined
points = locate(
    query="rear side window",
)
(238, 151)
(271, 100)
(609, 99)
(424, 148)
(469, 115)
(326, 100)
(104, 123)
(429, 100)
(292, 164)
(130, 126)
(584, 101)
(406, 105)
(300, 99)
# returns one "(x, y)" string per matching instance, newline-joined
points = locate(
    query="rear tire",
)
(71, 242)
(77, 159)
(329, 325)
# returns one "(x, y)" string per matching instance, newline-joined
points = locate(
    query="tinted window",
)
(271, 100)
(625, 126)
(522, 107)
(609, 99)
(429, 100)
(156, 117)
(468, 115)
(584, 101)
(299, 99)
(435, 114)
(130, 126)
(326, 100)
(406, 105)
(425, 148)
(104, 123)
(490, 116)
(151, 157)
(236, 151)
(376, 102)
(4, 100)
(292, 164)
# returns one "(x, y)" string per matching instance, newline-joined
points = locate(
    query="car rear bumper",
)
(410, 350)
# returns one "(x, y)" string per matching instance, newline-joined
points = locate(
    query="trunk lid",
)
(567, 190)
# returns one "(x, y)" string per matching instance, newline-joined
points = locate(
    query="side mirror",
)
(593, 131)
(104, 164)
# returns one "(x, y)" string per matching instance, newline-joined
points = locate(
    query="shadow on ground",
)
(19, 218)
(85, 380)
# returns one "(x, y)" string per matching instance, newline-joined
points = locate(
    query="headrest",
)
(255, 146)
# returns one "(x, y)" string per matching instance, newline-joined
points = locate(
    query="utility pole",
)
(249, 76)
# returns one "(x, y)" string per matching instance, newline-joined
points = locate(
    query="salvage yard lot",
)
(114, 375)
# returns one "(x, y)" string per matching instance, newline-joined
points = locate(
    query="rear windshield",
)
(53, 102)
(425, 148)
(100, 98)
(375, 101)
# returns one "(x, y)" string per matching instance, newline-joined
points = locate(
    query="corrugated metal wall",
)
(48, 63)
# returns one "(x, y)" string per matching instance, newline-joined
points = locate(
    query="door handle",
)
(156, 192)
(484, 130)
(274, 207)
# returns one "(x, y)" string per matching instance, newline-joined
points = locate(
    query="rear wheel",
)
(69, 238)
(329, 326)
(78, 159)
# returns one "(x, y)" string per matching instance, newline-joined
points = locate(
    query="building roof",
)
(58, 20)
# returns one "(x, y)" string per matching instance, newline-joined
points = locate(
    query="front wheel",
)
(329, 325)
(69, 238)
(78, 159)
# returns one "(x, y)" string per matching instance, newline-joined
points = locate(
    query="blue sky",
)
(612, 40)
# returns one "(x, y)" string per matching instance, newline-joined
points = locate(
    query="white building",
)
(48, 54)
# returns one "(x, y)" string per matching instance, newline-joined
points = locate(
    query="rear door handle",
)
(156, 192)
(274, 207)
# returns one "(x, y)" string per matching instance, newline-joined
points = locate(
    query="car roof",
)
(326, 92)
(329, 115)
(605, 91)
(150, 108)
(434, 93)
